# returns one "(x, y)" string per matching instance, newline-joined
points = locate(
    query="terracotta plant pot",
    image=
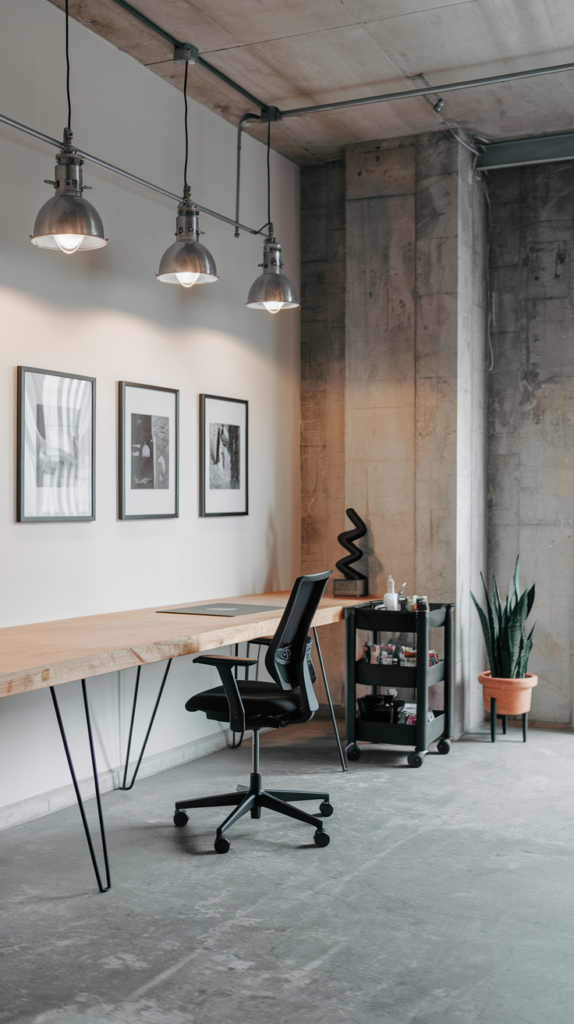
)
(513, 696)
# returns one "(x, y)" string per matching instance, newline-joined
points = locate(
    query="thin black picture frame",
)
(122, 385)
(21, 441)
(203, 468)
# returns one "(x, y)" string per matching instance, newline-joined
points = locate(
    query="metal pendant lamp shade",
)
(272, 290)
(187, 261)
(68, 222)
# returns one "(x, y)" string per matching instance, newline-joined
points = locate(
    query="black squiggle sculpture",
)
(346, 541)
(355, 583)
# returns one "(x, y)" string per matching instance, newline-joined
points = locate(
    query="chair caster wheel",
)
(443, 746)
(321, 838)
(326, 809)
(180, 819)
(221, 845)
(415, 759)
(353, 752)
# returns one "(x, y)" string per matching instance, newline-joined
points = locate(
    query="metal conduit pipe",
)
(245, 120)
(472, 83)
(125, 174)
(200, 60)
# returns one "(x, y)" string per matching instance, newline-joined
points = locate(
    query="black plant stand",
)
(420, 735)
(504, 718)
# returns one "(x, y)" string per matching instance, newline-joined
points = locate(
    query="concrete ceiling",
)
(293, 53)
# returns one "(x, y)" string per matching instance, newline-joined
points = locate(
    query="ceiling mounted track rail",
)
(408, 94)
(124, 174)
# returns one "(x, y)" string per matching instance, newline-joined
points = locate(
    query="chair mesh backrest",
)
(288, 646)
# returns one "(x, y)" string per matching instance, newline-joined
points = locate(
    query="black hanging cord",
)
(268, 175)
(68, 70)
(186, 131)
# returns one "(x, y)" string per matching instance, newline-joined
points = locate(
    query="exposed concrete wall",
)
(414, 380)
(323, 386)
(380, 356)
(531, 411)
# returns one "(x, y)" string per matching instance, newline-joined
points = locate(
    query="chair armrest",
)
(224, 664)
(224, 659)
(263, 640)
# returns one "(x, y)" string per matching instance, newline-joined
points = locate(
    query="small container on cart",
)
(419, 678)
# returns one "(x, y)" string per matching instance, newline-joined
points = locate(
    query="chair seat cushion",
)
(260, 700)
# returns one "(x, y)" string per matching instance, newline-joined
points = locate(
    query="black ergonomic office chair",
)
(288, 700)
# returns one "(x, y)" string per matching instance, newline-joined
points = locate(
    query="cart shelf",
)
(420, 678)
(395, 675)
(401, 735)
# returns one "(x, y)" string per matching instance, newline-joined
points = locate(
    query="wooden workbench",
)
(49, 653)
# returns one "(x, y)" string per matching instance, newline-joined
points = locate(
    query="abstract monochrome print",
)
(224, 465)
(55, 421)
(148, 457)
(150, 451)
(223, 451)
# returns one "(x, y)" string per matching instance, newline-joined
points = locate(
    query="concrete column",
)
(409, 378)
(415, 375)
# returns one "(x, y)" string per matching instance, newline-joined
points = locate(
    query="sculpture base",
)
(350, 588)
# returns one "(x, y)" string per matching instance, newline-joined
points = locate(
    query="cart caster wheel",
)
(326, 809)
(221, 845)
(443, 746)
(180, 819)
(353, 752)
(321, 838)
(415, 759)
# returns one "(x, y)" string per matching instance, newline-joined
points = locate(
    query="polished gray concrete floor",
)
(446, 895)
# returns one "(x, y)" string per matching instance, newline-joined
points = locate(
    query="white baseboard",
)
(56, 799)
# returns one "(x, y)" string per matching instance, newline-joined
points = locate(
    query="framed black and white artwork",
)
(55, 466)
(223, 458)
(148, 456)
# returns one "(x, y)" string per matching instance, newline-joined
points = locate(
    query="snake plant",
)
(507, 645)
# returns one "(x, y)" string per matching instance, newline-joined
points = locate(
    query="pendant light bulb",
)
(272, 290)
(187, 261)
(69, 243)
(187, 279)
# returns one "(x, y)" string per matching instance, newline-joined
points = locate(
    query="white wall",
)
(104, 315)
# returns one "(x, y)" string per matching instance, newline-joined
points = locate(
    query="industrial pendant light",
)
(187, 261)
(68, 222)
(272, 290)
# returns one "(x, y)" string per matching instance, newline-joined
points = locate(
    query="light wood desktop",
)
(45, 654)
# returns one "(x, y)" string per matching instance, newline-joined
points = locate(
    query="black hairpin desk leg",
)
(101, 887)
(344, 764)
(124, 784)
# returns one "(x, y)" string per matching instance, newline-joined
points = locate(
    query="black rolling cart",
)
(420, 678)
